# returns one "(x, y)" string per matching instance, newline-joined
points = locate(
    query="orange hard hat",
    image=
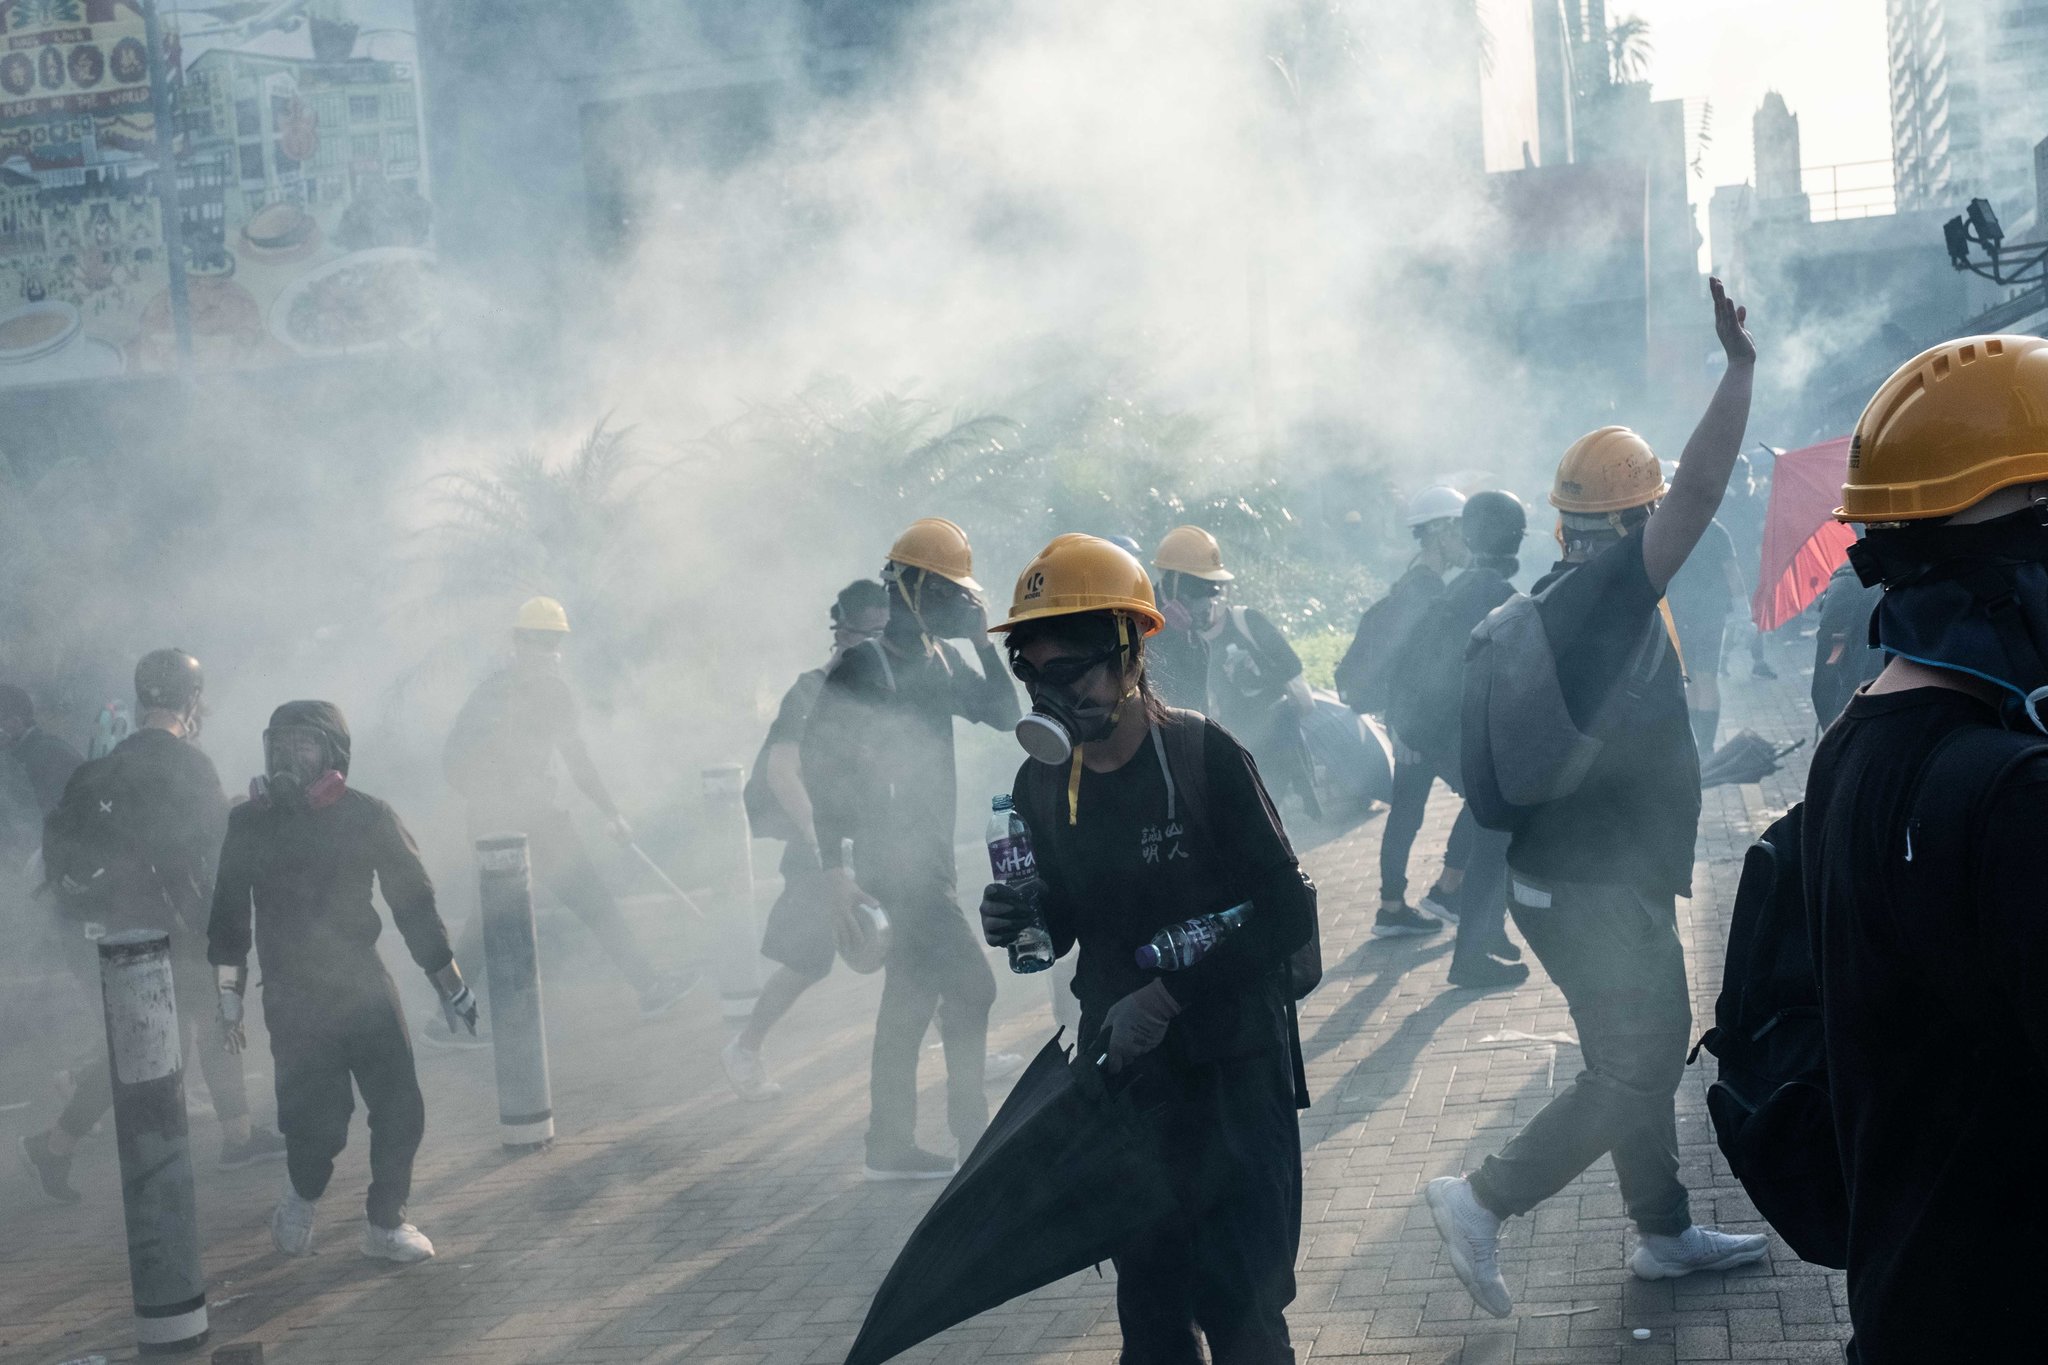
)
(937, 546)
(1075, 574)
(1609, 470)
(1952, 426)
(1192, 551)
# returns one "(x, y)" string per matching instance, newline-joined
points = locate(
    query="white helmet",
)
(1435, 504)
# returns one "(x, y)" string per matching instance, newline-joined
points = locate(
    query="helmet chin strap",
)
(1116, 715)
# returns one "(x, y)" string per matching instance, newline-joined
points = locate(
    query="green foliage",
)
(1320, 651)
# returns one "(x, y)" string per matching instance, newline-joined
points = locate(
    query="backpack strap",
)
(1181, 745)
(1977, 760)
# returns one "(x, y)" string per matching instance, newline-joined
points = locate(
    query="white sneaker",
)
(404, 1244)
(1000, 1066)
(291, 1224)
(1471, 1235)
(750, 1079)
(1660, 1256)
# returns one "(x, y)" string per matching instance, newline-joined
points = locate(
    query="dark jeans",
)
(1615, 954)
(321, 1042)
(562, 864)
(935, 966)
(1483, 896)
(1405, 805)
(198, 1002)
(1225, 1261)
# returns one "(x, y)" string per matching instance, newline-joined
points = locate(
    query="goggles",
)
(1063, 673)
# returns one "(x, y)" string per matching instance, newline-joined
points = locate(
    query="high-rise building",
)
(1775, 146)
(1969, 90)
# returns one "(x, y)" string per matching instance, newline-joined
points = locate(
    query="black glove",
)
(1137, 1023)
(1009, 908)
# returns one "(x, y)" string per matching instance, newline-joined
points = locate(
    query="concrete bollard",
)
(736, 938)
(146, 1052)
(519, 1045)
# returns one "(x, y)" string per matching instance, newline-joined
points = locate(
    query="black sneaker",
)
(1441, 902)
(909, 1163)
(262, 1145)
(52, 1172)
(1505, 948)
(1488, 974)
(1403, 921)
(663, 993)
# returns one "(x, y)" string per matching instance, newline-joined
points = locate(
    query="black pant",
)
(1405, 806)
(1225, 1261)
(561, 863)
(1482, 896)
(1615, 954)
(936, 964)
(198, 1001)
(323, 1037)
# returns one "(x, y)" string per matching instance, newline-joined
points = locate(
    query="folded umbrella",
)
(1064, 1176)
(1746, 757)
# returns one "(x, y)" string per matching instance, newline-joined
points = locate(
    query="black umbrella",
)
(1064, 1176)
(1746, 757)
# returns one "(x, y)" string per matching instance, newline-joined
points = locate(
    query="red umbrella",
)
(1803, 543)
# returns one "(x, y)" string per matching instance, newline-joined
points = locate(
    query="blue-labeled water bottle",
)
(1011, 860)
(1180, 946)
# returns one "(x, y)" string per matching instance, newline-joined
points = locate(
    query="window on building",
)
(252, 161)
(362, 108)
(248, 118)
(403, 146)
(364, 146)
(403, 105)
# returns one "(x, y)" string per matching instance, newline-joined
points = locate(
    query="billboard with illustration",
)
(302, 216)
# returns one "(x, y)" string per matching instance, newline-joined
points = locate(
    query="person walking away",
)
(1365, 681)
(1424, 707)
(295, 878)
(132, 844)
(1211, 1047)
(877, 763)
(799, 937)
(1921, 865)
(1193, 595)
(1743, 513)
(500, 757)
(1843, 657)
(1593, 877)
(44, 761)
(1705, 589)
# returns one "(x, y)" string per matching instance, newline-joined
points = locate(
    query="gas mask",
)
(1058, 724)
(298, 770)
(1971, 598)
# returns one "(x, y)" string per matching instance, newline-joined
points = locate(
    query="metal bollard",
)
(146, 1052)
(737, 938)
(519, 1045)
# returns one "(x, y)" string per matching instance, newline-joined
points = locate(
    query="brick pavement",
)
(670, 1222)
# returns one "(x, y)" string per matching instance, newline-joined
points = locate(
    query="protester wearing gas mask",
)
(877, 764)
(1142, 817)
(1193, 595)
(301, 857)
(132, 845)
(1922, 865)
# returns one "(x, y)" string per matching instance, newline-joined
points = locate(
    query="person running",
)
(1365, 682)
(133, 844)
(1211, 1047)
(1593, 877)
(877, 763)
(1922, 873)
(1702, 594)
(1193, 595)
(799, 937)
(296, 873)
(1424, 709)
(501, 756)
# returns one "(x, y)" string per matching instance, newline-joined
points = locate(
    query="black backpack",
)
(1770, 1105)
(94, 864)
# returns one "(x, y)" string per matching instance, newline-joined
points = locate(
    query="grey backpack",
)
(1519, 746)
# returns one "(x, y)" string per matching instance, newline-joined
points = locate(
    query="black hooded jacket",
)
(306, 876)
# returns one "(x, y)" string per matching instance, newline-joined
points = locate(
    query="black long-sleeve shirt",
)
(877, 759)
(1123, 870)
(47, 762)
(307, 877)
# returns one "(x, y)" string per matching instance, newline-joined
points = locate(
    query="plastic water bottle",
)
(1179, 946)
(1011, 860)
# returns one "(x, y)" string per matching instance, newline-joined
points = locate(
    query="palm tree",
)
(1629, 49)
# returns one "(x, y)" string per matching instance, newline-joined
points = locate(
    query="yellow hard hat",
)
(937, 546)
(1076, 574)
(1194, 552)
(542, 613)
(1609, 470)
(1954, 425)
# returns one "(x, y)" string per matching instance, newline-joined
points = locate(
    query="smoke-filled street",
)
(672, 1222)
